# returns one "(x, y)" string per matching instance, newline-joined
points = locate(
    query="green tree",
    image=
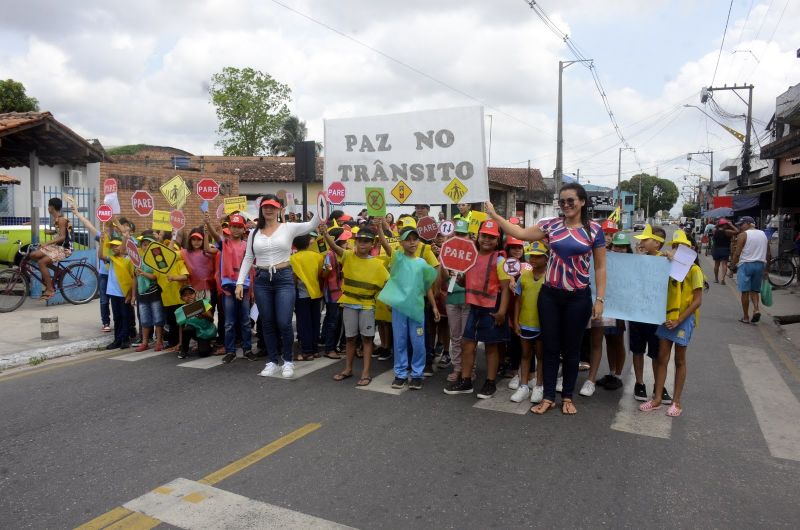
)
(658, 193)
(691, 209)
(251, 108)
(14, 99)
(292, 131)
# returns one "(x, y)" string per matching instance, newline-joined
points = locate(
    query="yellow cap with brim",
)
(406, 222)
(679, 238)
(115, 242)
(648, 234)
(537, 248)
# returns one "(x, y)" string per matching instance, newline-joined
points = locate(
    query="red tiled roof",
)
(8, 179)
(516, 177)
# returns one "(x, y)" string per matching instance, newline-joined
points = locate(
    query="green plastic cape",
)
(205, 328)
(409, 281)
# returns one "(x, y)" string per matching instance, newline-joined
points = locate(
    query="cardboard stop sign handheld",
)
(457, 254)
(104, 213)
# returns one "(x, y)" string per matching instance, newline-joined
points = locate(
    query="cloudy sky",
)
(138, 72)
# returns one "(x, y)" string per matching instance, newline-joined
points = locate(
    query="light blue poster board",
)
(636, 287)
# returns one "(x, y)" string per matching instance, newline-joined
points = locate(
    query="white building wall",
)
(49, 176)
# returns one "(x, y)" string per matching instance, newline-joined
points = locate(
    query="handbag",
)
(766, 293)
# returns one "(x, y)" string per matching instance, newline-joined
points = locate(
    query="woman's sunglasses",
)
(566, 202)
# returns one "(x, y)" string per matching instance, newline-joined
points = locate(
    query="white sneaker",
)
(269, 369)
(521, 394)
(537, 394)
(288, 370)
(559, 384)
(588, 388)
(514, 383)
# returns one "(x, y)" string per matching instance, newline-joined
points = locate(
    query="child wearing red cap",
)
(237, 310)
(487, 295)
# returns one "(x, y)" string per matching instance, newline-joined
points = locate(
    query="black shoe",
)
(665, 397)
(460, 386)
(124, 345)
(250, 356)
(415, 384)
(640, 392)
(398, 383)
(602, 381)
(376, 352)
(613, 382)
(444, 361)
(428, 371)
(113, 346)
(182, 355)
(488, 389)
(229, 358)
(385, 355)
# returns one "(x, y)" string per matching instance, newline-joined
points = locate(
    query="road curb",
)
(61, 349)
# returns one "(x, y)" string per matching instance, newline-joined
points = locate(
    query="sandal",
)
(756, 317)
(568, 407)
(305, 357)
(342, 376)
(648, 406)
(47, 296)
(334, 356)
(364, 381)
(543, 407)
(744, 321)
(674, 411)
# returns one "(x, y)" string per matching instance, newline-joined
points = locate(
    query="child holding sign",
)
(527, 325)
(683, 304)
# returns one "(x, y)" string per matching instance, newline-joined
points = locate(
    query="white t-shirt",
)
(274, 249)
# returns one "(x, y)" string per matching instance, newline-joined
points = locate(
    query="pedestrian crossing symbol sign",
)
(401, 192)
(176, 192)
(455, 190)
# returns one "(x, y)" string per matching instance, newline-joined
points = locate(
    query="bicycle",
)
(77, 281)
(784, 268)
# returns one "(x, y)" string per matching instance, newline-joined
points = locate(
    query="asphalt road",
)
(79, 440)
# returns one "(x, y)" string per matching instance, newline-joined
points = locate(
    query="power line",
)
(721, 44)
(406, 65)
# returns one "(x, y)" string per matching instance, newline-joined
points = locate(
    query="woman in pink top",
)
(270, 246)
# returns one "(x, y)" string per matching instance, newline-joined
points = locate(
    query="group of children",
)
(373, 278)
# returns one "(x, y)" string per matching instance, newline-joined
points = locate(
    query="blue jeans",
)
(105, 309)
(275, 295)
(122, 319)
(563, 316)
(331, 326)
(307, 311)
(237, 313)
(405, 331)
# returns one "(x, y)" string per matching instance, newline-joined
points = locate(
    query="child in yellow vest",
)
(526, 323)
(683, 305)
(307, 267)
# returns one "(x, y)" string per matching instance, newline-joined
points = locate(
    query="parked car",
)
(638, 227)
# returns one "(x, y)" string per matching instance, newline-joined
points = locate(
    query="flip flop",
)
(564, 403)
(362, 383)
(743, 321)
(335, 356)
(674, 411)
(648, 406)
(756, 318)
(45, 296)
(543, 407)
(342, 376)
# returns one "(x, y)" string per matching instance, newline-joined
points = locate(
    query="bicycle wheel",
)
(780, 271)
(13, 289)
(78, 283)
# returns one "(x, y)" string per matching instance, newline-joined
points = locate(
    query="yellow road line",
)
(258, 455)
(106, 519)
(135, 521)
(56, 364)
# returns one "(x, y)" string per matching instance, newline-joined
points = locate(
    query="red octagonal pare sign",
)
(208, 189)
(142, 203)
(458, 254)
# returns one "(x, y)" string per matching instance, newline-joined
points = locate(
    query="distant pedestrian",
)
(721, 253)
(750, 259)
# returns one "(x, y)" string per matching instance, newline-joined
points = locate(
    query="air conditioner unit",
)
(72, 178)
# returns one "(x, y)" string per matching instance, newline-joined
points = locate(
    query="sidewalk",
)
(79, 331)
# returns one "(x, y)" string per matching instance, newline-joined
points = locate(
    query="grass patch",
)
(33, 361)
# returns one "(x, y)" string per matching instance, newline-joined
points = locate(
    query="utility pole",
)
(559, 171)
(711, 170)
(707, 93)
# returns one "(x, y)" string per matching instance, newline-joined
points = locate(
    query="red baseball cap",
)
(270, 202)
(237, 220)
(345, 217)
(513, 241)
(490, 228)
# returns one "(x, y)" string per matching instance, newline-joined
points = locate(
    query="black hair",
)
(335, 233)
(580, 191)
(268, 197)
(335, 215)
(302, 242)
(186, 288)
(56, 203)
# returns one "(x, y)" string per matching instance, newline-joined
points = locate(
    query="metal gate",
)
(86, 199)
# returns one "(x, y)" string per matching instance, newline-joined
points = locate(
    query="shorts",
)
(721, 254)
(749, 276)
(642, 337)
(358, 322)
(529, 334)
(680, 335)
(151, 313)
(56, 252)
(617, 329)
(481, 327)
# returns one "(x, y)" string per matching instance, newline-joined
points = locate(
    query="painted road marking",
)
(382, 383)
(213, 508)
(777, 409)
(501, 402)
(133, 357)
(630, 419)
(302, 368)
(135, 521)
(204, 363)
(120, 514)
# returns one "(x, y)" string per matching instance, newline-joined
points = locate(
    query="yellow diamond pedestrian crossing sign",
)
(455, 190)
(401, 192)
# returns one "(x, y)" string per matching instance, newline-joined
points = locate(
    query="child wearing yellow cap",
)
(683, 304)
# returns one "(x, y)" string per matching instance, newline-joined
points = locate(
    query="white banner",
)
(425, 157)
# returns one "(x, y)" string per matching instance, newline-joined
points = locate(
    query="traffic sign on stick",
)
(323, 208)
(109, 186)
(427, 228)
(104, 213)
(336, 192)
(133, 253)
(177, 219)
(208, 189)
(142, 203)
(458, 254)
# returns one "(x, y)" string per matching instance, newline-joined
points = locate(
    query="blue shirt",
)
(113, 288)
